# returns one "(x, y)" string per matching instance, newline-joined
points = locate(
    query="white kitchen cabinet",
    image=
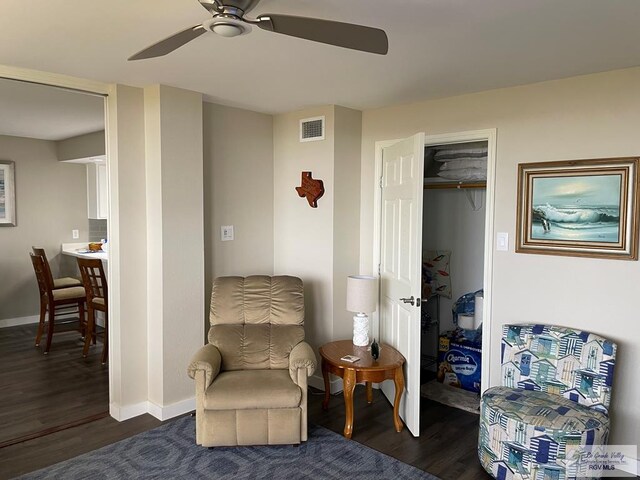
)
(97, 190)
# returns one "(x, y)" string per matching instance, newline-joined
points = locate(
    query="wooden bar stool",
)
(95, 284)
(56, 302)
(63, 282)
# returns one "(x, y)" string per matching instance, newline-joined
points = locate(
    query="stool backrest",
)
(93, 278)
(575, 364)
(44, 282)
(47, 268)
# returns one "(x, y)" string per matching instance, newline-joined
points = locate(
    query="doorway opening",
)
(397, 254)
(453, 237)
(53, 136)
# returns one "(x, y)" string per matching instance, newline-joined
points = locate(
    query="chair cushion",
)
(245, 389)
(257, 299)
(529, 434)
(543, 410)
(69, 293)
(99, 301)
(255, 346)
(66, 282)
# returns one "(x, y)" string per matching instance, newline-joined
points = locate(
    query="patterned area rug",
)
(452, 396)
(169, 452)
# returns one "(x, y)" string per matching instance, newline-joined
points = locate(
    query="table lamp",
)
(362, 298)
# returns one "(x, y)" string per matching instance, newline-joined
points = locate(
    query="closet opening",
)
(453, 272)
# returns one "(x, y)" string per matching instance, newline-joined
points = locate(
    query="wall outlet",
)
(226, 233)
(75, 234)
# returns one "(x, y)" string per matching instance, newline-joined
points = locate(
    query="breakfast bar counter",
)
(82, 250)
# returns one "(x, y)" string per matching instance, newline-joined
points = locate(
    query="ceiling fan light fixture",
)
(227, 29)
(227, 26)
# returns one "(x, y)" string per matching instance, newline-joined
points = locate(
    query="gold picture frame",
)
(583, 208)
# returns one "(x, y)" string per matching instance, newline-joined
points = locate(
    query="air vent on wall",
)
(312, 129)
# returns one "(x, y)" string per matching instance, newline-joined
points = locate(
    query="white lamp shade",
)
(362, 293)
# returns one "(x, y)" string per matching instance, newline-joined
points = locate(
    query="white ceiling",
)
(47, 113)
(437, 47)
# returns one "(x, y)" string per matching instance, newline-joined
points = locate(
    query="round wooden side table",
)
(388, 366)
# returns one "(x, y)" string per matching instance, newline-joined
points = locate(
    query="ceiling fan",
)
(229, 21)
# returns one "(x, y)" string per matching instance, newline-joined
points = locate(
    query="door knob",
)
(410, 300)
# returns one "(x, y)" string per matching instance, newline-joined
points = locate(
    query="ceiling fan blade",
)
(347, 35)
(169, 44)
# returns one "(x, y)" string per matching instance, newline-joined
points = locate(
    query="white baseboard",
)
(173, 410)
(632, 461)
(14, 322)
(335, 383)
(161, 413)
(129, 411)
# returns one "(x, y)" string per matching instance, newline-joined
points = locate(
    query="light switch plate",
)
(226, 233)
(502, 241)
(75, 234)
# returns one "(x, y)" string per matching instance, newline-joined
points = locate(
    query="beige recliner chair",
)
(251, 378)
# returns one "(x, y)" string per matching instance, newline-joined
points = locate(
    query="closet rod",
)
(455, 185)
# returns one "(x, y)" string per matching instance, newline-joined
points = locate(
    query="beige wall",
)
(320, 245)
(583, 117)
(82, 146)
(51, 200)
(303, 236)
(238, 191)
(127, 241)
(346, 214)
(175, 242)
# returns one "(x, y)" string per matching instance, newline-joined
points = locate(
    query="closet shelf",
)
(458, 185)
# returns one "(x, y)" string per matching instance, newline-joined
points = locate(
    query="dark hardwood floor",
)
(60, 391)
(39, 392)
(43, 392)
(446, 448)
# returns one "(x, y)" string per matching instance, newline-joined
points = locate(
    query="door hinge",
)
(380, 182)
(379, 269)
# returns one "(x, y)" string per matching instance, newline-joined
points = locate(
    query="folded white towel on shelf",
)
(477, 152)
(464, 163)
(463, 174)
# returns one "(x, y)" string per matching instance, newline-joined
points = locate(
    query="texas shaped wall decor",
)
(310, 188)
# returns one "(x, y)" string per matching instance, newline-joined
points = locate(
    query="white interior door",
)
(400, 270)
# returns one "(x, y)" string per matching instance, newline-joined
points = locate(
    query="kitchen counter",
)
(79, 250)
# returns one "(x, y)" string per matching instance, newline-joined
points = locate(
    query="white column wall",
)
(175, 244)
(303, 236)
(127, 233)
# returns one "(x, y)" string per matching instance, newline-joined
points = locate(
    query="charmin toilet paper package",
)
(459, 361)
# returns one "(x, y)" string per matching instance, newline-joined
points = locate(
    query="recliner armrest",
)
(209, 360)
(302, 356)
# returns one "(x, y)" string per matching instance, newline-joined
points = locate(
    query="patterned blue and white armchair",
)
(556, 391)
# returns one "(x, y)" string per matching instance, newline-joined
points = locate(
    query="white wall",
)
(238, 191)
(51, 200)
(450, 223)
(583, 117)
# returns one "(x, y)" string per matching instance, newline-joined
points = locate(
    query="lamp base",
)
(361, 330)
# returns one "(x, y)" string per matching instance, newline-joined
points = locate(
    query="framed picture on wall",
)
(584, 208)
(7, 194)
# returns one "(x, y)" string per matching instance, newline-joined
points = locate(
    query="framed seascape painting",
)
(585, 208)
(7, 194)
